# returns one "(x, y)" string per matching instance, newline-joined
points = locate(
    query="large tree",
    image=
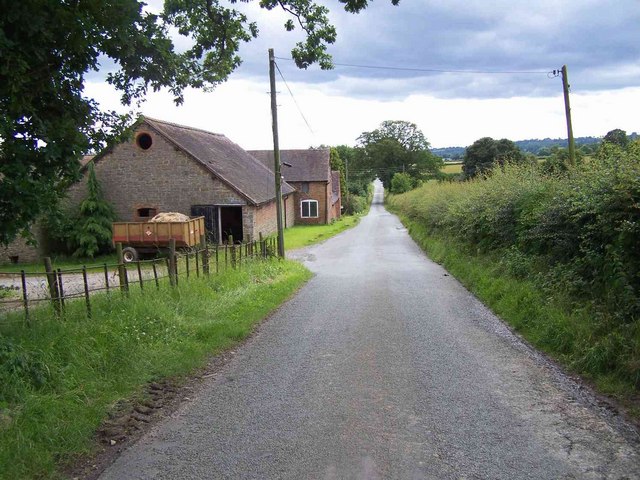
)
(398, 146)
(617, 137)
(49, 46)
(485, 153)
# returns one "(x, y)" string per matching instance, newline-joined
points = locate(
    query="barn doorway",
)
(211, 224)
(220, 222)
(231, 224)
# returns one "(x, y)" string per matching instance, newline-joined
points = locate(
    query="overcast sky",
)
(427, 43)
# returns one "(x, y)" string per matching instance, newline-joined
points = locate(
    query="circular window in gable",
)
(144, 141)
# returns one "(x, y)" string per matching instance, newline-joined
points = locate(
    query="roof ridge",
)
(290, 149)
(185, 127)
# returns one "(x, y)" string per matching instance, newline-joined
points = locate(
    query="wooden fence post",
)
(25, 300)
(106, 277)
(122, 271)
(172, 262)
(53, 285)
(205, 254)
(155, 274)
(233, 251)
(61, 289)
(86, 290)
(140, 276)
(262, 247)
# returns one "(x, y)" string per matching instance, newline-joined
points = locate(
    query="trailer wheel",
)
(129, 254)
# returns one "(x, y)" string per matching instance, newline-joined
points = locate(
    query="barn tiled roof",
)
(335, 186)
(306, 165)
(225, 159)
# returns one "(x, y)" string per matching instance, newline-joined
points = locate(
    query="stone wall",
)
(19, 251)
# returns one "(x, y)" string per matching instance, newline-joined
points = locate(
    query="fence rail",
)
(28, 290)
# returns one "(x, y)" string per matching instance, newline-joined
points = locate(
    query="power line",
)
(433, 70)
(294, 99)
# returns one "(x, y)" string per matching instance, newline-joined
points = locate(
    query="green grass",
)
(304, 235)
(60, 379)
(61, 262)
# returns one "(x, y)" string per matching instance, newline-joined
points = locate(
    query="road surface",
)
(383, 366)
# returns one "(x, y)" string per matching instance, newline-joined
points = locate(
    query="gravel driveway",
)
(383, 366)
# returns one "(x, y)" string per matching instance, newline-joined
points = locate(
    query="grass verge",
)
(304, 235)
(551, 325)
(60, 379)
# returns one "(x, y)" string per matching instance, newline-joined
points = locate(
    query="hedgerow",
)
(574, 233)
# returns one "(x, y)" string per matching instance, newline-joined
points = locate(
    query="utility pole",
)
(567, 109)
(276, 151)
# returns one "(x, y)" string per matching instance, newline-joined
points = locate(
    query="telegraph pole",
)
(567, 109)
(276, 151)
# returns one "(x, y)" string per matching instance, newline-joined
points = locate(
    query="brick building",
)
(166, 167)
(317, 195)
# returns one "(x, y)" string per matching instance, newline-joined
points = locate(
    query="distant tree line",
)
(398, 154)
(539, 147)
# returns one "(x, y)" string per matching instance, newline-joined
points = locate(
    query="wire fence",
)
(29, 290)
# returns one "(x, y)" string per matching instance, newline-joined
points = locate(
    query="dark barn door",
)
(210, 214)
(231, 223)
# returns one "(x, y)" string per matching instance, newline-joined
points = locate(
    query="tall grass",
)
(572, 239)
(60, 378)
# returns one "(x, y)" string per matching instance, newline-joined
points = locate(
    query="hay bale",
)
(166, 217)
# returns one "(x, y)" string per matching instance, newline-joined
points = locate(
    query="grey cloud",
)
(595, 40)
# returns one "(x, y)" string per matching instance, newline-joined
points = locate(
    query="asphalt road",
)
(383, 366)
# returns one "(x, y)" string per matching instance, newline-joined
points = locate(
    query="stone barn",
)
(166, 167)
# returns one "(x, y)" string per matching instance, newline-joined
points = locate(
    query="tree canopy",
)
(486, 153)
(398, 146)
(617, 137)
(48, 48)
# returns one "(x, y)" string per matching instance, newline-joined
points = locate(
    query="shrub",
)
(401, 183)
(354, 204)
(92, 234)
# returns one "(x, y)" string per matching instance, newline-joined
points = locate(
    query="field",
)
(452, 168)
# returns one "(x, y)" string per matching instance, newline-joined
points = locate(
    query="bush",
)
(401, 183)
(354, 204)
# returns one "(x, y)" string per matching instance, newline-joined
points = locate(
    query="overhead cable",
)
(433, 70)
(294, 100)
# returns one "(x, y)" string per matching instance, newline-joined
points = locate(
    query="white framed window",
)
(309, 209)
